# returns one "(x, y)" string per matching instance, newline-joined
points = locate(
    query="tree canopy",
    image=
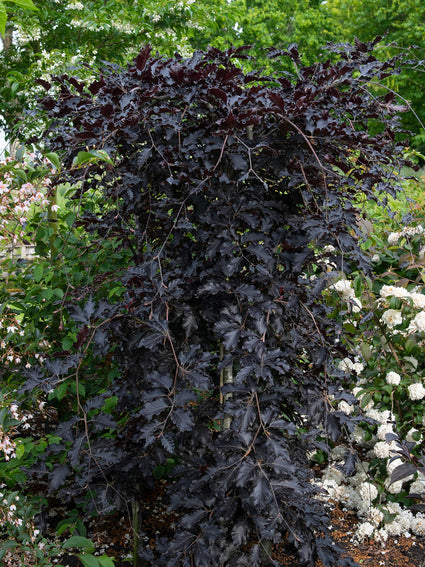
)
(72, 36)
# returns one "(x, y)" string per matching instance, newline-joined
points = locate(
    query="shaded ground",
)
(397, 552)
(113, 536)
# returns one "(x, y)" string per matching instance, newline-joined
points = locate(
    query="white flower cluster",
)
(347, 365)
(394, 237)
(393, 378)
(416, 391)
(7, 446)
(8, 511)
(344, 287)
(417, 299)
(24, 35)
(392, 318)
(359, 494)
(417, 324)
(75, 6)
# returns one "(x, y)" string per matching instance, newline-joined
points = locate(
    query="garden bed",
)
(113, 536)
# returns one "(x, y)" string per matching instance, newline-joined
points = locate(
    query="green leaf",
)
(54, 160)
(6, 546)
(377, 397)
(350, 328)
(19, 451)
(366, 351)
(110, 404)
(91, 157)
(158, 472)
(58, 292)
(368, 435)
(410, 346)
(117, 291)
(89, 560)
(366, 399)
(319, 457)
(3, 19)
(106, 561)
(28, 4)
(357, 284)
(388, 517)
(102, 155)
(67, 342)
(81, 390)
(38, 272)
(79, 542)
(61, 391)
(369, 283)
(21, 174)
(47, 293)
(81, 158)
(20, 153)
(70, 219)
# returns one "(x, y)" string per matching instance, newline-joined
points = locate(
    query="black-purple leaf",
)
(402, 471)
(155, 407)
(240, 532)
(167, 443)
(183, 419)
(245, 472)
(45, 84)
(218, 188)
(58, 476)
(143, 57)
(261, 493)
(350, 463)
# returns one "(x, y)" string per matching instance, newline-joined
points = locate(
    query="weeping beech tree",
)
(228, 188)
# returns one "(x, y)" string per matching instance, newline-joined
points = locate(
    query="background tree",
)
(73, 34)
(28, 4)
(60, 35)
(273, 24)
(402, 22)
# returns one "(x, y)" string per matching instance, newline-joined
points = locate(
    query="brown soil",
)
(397, 552)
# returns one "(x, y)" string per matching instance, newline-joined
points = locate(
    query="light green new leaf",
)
(93, 156)
(3, 18)
(82, 158)
(28, 4)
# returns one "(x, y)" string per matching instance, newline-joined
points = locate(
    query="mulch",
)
(396, 552)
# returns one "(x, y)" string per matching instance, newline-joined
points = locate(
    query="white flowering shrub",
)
(25, 196)
(24, 189)
(383, 321)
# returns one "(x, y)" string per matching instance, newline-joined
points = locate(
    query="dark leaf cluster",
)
(223, 186)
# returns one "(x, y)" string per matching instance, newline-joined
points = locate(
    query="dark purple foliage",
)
(223, 184)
